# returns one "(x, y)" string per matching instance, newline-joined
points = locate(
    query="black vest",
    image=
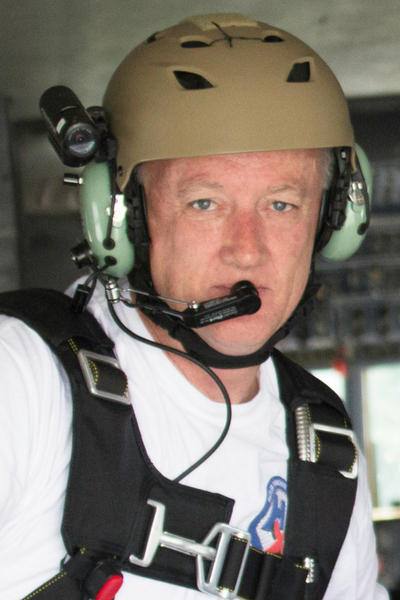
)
(115, 496)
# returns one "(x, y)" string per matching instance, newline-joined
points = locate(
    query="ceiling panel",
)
(79, 42)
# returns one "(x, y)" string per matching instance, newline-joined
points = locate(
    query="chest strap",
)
(123, 515)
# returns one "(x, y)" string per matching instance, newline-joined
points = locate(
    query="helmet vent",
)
(192, 81)
(152, 38)
(194, 44)
(272, 39)
(300, 72)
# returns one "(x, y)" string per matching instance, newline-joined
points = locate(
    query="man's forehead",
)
(183, 167)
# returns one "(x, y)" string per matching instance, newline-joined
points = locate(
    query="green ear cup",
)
(346, 241)
(95, 202)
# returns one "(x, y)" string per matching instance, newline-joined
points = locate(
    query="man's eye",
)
(281, 206)
(203, 204)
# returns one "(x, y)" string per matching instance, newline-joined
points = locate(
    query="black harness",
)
(121, 514)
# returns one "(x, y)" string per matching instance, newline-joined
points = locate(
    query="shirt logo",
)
(268, 528)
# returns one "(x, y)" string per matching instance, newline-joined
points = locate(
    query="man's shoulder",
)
(14, 333)
(34, 387)
(27, 362)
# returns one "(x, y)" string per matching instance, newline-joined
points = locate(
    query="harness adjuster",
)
(209, 584)
(97, 577)
(352, 473)
(202, 551)
(104, 376)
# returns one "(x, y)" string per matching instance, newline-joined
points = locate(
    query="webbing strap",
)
(264, 575)
(317, 525)
(227, 565)
(60, 587)
(49, 313)
(83, 576)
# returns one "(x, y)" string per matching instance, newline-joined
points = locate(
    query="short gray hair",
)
(328, 163)
(327, 160)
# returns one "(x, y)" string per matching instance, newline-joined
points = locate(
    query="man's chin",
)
(237, 337)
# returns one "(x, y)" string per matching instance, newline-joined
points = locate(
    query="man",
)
(226, 126)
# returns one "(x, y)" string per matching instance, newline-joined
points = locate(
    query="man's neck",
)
(241, 384)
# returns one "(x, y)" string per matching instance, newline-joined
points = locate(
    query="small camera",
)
(73, 133)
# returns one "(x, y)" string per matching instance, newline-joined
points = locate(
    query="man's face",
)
(217, 220)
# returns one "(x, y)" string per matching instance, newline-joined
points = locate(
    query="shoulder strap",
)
(321, 471)
(49, 313)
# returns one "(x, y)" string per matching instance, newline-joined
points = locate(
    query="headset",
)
(81, 139)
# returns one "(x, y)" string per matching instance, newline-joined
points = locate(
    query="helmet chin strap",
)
(197, 348)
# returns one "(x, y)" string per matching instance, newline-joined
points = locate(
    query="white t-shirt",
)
(178, 424)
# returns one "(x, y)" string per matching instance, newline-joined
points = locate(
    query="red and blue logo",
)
(268, 528)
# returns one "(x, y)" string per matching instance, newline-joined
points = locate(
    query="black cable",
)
(83, 294)
(227, 37)
(217, 380)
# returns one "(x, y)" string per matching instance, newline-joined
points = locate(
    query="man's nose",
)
(244, 245)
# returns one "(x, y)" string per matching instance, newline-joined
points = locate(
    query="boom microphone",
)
(243, 300)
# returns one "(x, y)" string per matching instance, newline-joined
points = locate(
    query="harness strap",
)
(83, 576)
(316, 527)
(49, 313)
(266, 576)
(227, 565)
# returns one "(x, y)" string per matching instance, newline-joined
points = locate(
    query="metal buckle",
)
(158, 537)
(338, 431)
(84, 357)
(210, 585)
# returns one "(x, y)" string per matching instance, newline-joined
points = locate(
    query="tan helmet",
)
(223, 83)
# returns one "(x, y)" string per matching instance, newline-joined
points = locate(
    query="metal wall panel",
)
(9, 271)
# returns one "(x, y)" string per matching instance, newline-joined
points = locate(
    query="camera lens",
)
(81, 140)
